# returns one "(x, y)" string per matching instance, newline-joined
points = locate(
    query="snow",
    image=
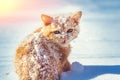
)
(77, 72)
(80, 72)
(75, 66)
(107, 77)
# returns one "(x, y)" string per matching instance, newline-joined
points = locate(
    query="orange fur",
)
(43, 55)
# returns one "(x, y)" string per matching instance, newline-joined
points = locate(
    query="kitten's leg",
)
(66, 66)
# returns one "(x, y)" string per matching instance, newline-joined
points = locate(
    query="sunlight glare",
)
(7, 6)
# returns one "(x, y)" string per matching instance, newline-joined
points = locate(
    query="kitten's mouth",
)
(64, 40)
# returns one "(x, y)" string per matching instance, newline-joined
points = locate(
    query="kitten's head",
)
(61, 29)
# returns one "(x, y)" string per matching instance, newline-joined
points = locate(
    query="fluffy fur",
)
(43, 54)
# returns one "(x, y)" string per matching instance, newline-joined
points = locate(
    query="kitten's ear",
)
(46, 19)
(76, 16)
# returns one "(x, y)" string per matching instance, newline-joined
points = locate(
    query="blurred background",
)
(98, 42)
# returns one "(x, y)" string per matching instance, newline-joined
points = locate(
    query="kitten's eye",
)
(56, 32)
(70, 30)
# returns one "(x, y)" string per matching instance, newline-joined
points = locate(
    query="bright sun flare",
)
(7, 6)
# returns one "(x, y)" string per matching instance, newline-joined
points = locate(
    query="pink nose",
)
(64, 39)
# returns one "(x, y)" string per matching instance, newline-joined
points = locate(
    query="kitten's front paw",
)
(74, 73)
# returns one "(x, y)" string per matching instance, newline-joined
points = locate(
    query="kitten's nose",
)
(64, 39)
(63, 36)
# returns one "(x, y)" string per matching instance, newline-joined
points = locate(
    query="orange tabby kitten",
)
(43, 54)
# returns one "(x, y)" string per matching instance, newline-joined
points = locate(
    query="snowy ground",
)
(78, 72)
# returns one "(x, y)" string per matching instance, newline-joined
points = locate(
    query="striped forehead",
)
(63, 21)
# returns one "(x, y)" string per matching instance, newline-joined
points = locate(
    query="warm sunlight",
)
(7, 6)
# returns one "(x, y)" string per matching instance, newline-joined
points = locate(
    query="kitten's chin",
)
(64, 44)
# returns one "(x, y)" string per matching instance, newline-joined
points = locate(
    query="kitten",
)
(43, 54)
